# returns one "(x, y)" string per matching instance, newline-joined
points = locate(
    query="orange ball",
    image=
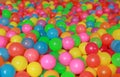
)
(116, 75)
(105, 25)
(1, 61)
(104, 71)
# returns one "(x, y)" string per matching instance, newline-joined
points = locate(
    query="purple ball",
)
(41, 22)
(94, 30)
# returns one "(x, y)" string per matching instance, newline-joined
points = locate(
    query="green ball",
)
(22, 35)
(76, 39)
(97, 41)
(65, 11)
(73, 28)
(61, 24)
(36, 33)
(90, 18)
(67, 74)
(48, 26)
(69, 5)
(60, 8)
(28, 22)
(44, 39)
(46, 5)
(59, 68)
(55, 44)
(6, 13)
(55, 54)
(116, 59)
(84, 7)
(97, 24)
(111, 30)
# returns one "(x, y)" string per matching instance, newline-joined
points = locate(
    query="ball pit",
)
(60, 38)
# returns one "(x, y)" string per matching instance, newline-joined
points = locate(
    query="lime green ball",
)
(46, 5)
(44, 39)
(59, 68)
(69, 5)
(89, 33)
(59, 8)
(48, 26)
(97, 41)
(65, 11)
(61, 24)
(84, 7)
(90, 18)
(111, 30)
(55, 44)
(76, 39)
(55, 54)
(36, 33)
(67, 74)
(97, 24)
(72, 28)
(104, 17)
(28, 22)
(22, 35)
(6, 13)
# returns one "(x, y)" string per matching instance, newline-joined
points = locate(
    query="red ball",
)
(22, 74)
(91, 48)
(16, 49)
(93, 60)
(86, 74)
(15, 18)
(106, 39)
(80, 28)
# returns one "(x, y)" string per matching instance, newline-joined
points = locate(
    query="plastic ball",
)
(75, 64)
(115, 45)
(76, 39)
(86, 74)
(51, 73)
(26, 28)
(113, 68)
(106, 39)
(27, 43)
(101, 31)
(2, 32)
(3, 41)
(19, 62)
(67, 43)
(2, 62)
(34, 69)
(116, 34)
(31, 55)
(68, 73)
(48, 62)
(104, 71)
(84, 37)
(105, 25)
(55, 44)
(10, 34)
(16, 49)
(6, 13)
(75, 52)
(80, 28)
(93, 60)
(59, 68)
(97, 41)
(4, 53)
(41, 47)
(41, 22)
(48, 26)
(65, 58)
(91, 48)
(36, 33)
(4, 21)
(92, 70)
(16, 38)
(52, 33)
(32, 36)
(105, 58)
(22, 74)
(7, 70)
(44, 39)
(65, 34)
(82, 47)
(90, 24)
(38, 28)
(116, 59)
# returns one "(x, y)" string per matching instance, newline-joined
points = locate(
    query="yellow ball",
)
(14, 24)
(101, 31)
(34, 20)
(82, 23)
(105, 58)
(66, 0)
(8, 2)
(67, 68)
(61, 51)
(82, 47)
(19, 62)
(51, 73)
(16, 38)
(113, 68)
(92, 70)
(2, 32)
(116, 34)
(75, 52)
(65, 34)
(89, 6)
(34, 69)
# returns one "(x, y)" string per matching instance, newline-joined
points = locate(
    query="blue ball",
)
(42, 33)
(90, 24)
(52, 33)
(7, 70)
(38, 28)
(41, 47)
(115, 45)
(4, 21)
(4, 53)
(28, 43)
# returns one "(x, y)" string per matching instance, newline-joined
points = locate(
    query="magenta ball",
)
(77, 66)
(118, 70)
(65, 58)
(48, 62)
(3, 41)
(41, 22)
(31, 55)
(68, 43)
(26, 28)
(84, 37)
(10, 33)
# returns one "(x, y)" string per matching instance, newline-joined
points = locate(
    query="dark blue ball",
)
(41, 47)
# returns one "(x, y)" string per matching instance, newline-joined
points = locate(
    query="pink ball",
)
(84, 37)
(68, 43)
(48, 62)
(26, 28)
(10, 33)
(31, 55)
(77, 66)
(3, 41)
(65, 58)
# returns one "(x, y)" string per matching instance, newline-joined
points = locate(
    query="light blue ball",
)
(4, 53)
